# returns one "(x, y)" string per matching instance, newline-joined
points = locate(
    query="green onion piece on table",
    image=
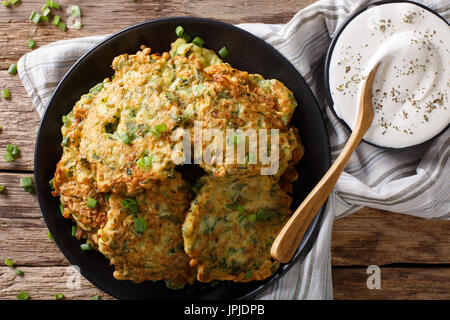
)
(31, 43)
(8, 157)
(9, 263)
(27, 184)
(61, 26)
(5, 94)
(56, 20)
(59, 296)
(12, 69)
(53, 4)
(23, 295)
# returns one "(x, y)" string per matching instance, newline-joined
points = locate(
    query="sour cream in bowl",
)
(411, 91)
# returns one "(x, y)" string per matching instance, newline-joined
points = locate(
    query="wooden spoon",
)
(287, 241)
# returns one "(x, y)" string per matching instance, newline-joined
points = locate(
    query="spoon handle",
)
(287, 241)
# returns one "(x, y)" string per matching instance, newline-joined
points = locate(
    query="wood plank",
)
(42, 283)
(17, 116)
(376, 237)
(396, 283)
(364, 238)
(349, 283)
(19, 121)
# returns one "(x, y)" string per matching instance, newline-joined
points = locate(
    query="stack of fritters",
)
(118, 177)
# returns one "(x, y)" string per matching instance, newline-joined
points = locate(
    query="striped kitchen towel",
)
(413, 181)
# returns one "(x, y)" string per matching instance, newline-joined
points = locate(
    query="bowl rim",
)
(326, 69)
(316, 224)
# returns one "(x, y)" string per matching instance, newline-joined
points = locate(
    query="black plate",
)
(326, 74)
(247, 53)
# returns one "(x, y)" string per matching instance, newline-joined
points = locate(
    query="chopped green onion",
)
(26, 182)
(179, 31)
(50, 183)
(198, 41)
(85, 246)
(49, 235)
(31, 43)
(61, 208)
(125, 138)
(14, 150)
(19, 272)
(131, 205)
(186, 37)
(53, 4)
(182, 34)
(251, 217)
(12, 69)
(6, 3)
(241, 218)
(97, 88)
(240, 208)
(23, 295)
(263, 214)
(140, 225)
(145, 162)
(13, 1)
(224, 52)
(91, 203)
(74, 231)
(160, 127)
(59, 296)
(96, 297)
(2, 188)
(44, 19)
(56, 20)
(76, 12)
(77, 25)
(5, 94)
(248, 274)
(8, 157)
(35, 17)
(9, 263)
(45, 10)
(61, 26)
(65, 142)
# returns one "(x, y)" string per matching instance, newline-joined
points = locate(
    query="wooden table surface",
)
(413, 254)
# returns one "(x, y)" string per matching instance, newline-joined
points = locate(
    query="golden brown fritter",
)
(74, 180)
(122, 142)
(142, 237)
(230, 227)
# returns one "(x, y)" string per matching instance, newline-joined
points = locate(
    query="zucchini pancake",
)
(125, 177)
